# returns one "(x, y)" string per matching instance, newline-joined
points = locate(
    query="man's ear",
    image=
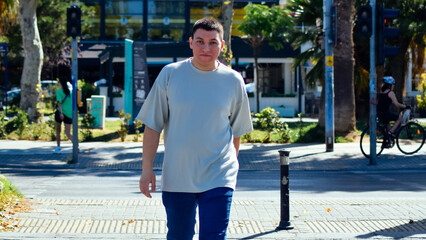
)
(190, 42)
(222, 44)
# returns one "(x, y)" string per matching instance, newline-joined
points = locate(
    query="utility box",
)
(98, 110)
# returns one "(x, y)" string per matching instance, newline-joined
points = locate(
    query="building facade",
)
(165, 26)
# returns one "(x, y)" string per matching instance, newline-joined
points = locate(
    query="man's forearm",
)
(237, 145)
(151, 140)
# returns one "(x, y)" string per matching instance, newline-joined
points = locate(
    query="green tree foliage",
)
(266, 23)
(52, 23)
(308, 16)
(51, 20)
(412, 24)
(262, 23)
(8, 15)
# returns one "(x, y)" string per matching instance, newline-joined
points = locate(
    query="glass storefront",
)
(166, 18)
(123, 19)
(200, 9)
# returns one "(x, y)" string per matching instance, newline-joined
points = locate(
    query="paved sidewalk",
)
(254, 214)
(128, 155)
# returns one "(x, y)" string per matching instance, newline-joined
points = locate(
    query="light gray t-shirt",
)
(201, 112)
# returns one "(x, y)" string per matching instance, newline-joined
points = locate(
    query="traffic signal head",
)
(73, 21)
(384, 33)
(364, 20)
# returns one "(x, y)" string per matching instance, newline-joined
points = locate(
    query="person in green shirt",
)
(63, 112)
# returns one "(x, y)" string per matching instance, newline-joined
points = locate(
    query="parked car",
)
(12, 95)
(47, 87)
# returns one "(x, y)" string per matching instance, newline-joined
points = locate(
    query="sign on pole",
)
(141, 84)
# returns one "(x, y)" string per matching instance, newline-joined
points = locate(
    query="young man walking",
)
(203, 108)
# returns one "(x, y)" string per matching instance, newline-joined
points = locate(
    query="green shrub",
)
(268, 119)
(20, 122)
(124, 125)
(36, 130)
(3, 123)
(87, 90)
(138, 125)
(8, 188)
(283, 131)
(247, 138)
(51, 123)
(421, 99)
(87, 122)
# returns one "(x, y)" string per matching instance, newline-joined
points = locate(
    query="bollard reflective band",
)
(284, 157)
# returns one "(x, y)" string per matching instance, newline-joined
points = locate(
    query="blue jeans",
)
(214, 207)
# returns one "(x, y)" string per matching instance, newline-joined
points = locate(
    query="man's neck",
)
(205, 67)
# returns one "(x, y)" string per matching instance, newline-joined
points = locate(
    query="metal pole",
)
(285, 223)
(74, 75)
(329, 85)
(373, 85)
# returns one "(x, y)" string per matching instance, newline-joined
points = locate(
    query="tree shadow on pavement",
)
(399, 232)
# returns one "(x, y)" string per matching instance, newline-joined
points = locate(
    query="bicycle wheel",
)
(410, 138)
(365, 141)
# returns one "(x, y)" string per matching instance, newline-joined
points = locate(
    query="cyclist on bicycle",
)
(386, 97)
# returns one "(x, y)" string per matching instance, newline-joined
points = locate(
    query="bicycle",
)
(409, 138)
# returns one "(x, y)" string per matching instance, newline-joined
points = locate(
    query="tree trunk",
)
(33, 53)
(256, 79)
(226, 15)
(344, 89)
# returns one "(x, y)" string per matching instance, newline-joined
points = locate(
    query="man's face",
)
(206, 47)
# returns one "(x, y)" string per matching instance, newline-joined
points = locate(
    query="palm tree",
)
(344, 89)
(308, 13)
(308, 16)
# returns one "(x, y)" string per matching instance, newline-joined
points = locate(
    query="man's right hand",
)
(147, 178)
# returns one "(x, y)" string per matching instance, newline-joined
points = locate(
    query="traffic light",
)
(364, 21)
(73, 21)
(384, 17)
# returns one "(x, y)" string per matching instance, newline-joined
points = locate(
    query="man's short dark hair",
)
(208, 24)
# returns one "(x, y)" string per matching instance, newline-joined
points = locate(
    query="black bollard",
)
(285, 193)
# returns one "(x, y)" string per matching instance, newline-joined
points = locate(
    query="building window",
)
(271, 79)
(123, 19)
(166, 20)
